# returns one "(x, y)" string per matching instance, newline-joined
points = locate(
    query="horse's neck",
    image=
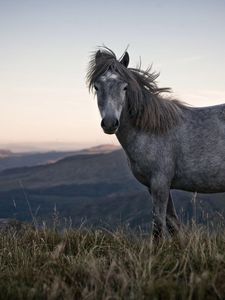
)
(126, 132)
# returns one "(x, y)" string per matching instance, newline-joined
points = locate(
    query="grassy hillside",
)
(79, 264)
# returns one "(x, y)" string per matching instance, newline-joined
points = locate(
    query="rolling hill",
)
(93, 186)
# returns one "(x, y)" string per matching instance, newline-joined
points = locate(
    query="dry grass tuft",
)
(85, 264)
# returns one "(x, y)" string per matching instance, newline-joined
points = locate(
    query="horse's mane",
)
(148, 108)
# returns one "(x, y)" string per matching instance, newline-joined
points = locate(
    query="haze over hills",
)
(95, 185)
(34, 147)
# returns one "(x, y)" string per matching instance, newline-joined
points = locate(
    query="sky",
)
(46, 46)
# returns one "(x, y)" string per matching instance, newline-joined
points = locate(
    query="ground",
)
(98, 264)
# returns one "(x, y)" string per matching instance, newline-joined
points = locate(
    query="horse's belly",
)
(201, 181)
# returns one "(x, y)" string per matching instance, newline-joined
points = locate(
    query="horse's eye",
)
(125, 88)
(96, 88)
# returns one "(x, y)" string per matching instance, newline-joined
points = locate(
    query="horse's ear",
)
(125, 60)
(98, 55)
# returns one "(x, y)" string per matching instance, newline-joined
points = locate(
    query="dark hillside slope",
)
(98, 188)
(78, 169)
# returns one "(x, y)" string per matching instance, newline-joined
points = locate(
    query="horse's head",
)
(111, 94)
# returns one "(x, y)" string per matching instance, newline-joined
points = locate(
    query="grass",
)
(86, 264)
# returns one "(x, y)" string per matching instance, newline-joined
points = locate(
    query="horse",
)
(169, 144)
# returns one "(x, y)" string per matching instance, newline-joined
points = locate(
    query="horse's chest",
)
(139, 172)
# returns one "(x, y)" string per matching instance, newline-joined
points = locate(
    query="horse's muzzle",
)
(110, 126)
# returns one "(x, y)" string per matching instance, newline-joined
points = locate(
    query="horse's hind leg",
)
(172, 222)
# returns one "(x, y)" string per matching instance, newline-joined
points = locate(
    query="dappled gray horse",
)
(169, 145)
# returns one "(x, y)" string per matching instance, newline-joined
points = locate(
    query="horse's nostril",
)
(116, 123)
(110, 124)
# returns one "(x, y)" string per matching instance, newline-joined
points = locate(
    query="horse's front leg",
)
(172, 221)
(159, 190)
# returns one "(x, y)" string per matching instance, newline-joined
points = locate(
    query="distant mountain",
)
(94, 186)
(9, 160)
(5, 153)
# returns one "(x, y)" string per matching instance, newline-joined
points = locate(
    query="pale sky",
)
(45, 49)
